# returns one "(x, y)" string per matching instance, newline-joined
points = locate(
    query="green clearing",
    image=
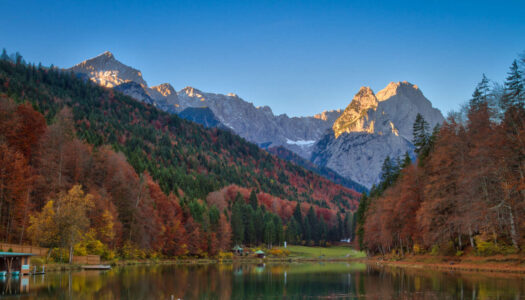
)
(324, 252)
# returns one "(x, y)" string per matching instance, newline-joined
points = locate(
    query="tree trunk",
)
(70, 254)
(60, 169)
(49, 254)
(470, 237)
(25, 218)
(141, 180)
(513, 232)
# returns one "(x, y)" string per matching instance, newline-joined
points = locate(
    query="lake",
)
(265, 281)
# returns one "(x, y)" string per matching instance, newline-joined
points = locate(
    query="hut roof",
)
(15, 254)
(259, 252)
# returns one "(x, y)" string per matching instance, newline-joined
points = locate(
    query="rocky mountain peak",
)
(404, 88)
(107, 54)
(329, 115)
(107, 71)
(363, 100)
(191, 92)
(352, 118)
(165, 89)
(373, 127)
(266, 109)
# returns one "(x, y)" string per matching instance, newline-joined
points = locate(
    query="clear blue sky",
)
(298, 57)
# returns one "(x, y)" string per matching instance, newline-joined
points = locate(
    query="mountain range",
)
(353, 142)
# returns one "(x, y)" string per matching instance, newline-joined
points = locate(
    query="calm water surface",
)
(265, 281)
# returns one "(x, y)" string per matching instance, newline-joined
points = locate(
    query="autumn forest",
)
(87, 170)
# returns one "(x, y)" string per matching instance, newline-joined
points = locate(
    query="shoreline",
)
(514, 264)
(492, 264)
(57, 267)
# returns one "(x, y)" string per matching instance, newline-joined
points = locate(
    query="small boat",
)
(15, 273)
(96, 267)
(3, 273)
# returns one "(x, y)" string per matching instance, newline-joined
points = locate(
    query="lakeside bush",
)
(279, 252)
(487, 247)
(225, 255)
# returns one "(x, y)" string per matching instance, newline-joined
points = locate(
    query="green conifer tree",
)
(514, 93)
(420, 133)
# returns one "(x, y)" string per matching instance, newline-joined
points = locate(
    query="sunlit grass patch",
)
(324, 252)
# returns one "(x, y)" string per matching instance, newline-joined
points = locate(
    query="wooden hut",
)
(15, 263)
(237, 250)
(259, 253)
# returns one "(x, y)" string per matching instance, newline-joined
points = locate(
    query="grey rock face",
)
(136, 91)
(402, 101)
(372, 128)
(359, 155)
(201, 115)
(259, 124)
(166, 93)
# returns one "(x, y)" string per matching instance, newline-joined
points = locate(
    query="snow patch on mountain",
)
(302, 143)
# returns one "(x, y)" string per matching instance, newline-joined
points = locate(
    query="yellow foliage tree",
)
(43, 228)
(106, 231)
(64, 221)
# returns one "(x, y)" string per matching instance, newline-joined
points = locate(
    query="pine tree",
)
(249, 224)
(292, 235)
(4, 55)
(259, 224)
(386, 169)
(312, 221)
(420, 133)
(298, 216)
(253, 200)
(278, 228)
(237, 223)
(481, 93)
(406, 160)
(361, 219)
(514, 91)
(269, 231)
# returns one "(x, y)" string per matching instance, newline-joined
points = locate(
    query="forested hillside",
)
(136, 179)
(288, 155)
(466, 193)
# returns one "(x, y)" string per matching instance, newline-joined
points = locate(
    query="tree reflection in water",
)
(264, 281)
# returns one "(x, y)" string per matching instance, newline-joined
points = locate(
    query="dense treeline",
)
(90, 170)
(253, 224)
(467, 191)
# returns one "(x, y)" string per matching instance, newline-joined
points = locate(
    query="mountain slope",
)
(256, 124)
(181, 156)
(201, 115)
(333, 176)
